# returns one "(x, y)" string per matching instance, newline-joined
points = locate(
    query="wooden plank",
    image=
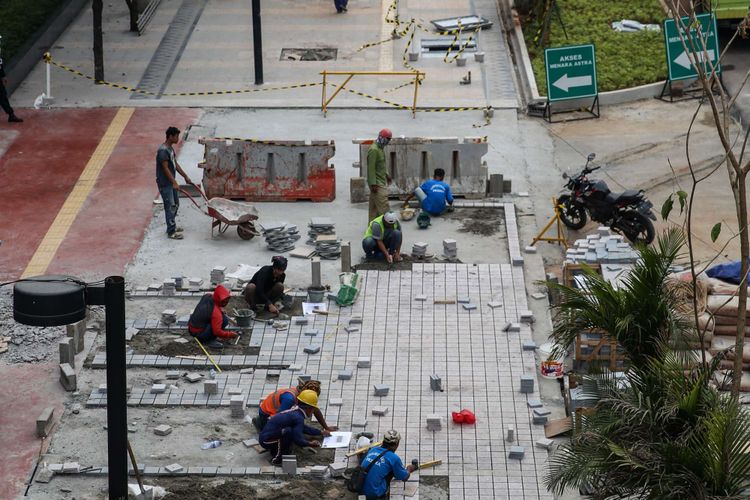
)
(558, 427)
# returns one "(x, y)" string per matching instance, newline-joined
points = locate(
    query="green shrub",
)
(623, 59)
(19, 19)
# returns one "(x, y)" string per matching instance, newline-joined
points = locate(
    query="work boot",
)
(276, 461)
(215, 344)
(175, 236)
(14, 119)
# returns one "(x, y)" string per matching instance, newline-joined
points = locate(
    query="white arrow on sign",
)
(565, 82)
(684, 60)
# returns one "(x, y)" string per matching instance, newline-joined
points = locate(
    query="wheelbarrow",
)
(233, 213)
(227, 213)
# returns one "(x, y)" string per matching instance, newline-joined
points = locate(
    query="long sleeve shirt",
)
(293, 419)
(375, 481)
(264, 280)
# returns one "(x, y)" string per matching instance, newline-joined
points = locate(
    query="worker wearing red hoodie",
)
(208, 321)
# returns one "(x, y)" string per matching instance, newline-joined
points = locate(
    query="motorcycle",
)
(628, 212)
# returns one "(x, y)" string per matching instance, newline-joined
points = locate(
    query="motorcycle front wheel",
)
(636, 227)
(572, 214)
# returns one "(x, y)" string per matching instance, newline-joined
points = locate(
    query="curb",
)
(40, 42)
(526, 73)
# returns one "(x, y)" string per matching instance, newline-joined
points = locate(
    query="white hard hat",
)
(390, 217)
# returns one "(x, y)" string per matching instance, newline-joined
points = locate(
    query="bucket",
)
(550, 367)
(244, 317)
(316, 294)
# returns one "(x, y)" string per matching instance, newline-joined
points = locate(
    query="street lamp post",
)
(62, 300)
(257, 43)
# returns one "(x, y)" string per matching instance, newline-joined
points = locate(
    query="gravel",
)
(28, 344)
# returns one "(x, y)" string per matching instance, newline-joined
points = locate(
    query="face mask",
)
(382, 141)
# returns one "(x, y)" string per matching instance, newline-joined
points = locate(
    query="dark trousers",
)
(340, 4)
(279, 447)
(391, 240)
(207, 335)
(262, 419)
(4, 102)
(251, 294)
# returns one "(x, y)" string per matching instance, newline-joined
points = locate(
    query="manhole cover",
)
(308, 54)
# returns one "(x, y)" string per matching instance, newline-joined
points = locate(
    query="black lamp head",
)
(49, 301)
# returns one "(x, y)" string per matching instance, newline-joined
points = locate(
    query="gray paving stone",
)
(516, 452)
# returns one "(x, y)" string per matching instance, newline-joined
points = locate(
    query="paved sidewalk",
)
(206, 45)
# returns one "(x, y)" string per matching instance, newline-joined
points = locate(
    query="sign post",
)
(702, 43)
(571, 74)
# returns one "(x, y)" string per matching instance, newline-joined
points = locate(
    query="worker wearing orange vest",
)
(283, 399)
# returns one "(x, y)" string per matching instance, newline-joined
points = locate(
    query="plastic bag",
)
(464, 417)
(348, 290)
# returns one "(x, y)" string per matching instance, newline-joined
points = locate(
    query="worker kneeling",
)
(434, 194)
(267, 285)
(382, 465)
(208, 321)
(283, 399)
(288, 427)
(383, 238)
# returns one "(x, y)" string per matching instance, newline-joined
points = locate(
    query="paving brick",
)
(530, 249)
(355, 320)
(158, 388)
(174, 468)
(337, 469)
(527, 384)
(44, 421)
(250, 442)
(345, 375)
(463, 300)
(68, 377)
(335, 402)
(420, 298)
(528, 345)
(304, 377)
(381, 390)
(162, 430)
(537, 420)
(363, 363)
(312, 349)
(495, 305)
(470, 307)
(173, 374)
(351, 329)
(360, 421)
(380, 411)
(544, 443)
(67, 352)
(71, 468)
(210, 387)
(311, 332)
(534, 403)
(516, 452)
(434, 422)
(541, 412)
(289, 464)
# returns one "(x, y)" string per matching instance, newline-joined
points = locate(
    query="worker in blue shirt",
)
(387, 466)
(433, 194)
(288, 427)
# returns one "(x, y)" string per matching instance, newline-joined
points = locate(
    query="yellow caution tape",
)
(48, 59)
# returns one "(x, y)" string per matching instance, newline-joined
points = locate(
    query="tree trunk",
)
(133, 9)
(96, 7)
(742, 305)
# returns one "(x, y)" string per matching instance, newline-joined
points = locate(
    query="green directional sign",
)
(571, 72)
(679, 61)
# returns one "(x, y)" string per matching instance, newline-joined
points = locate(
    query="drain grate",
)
(162, 64)
(325, 54)
(439, 46)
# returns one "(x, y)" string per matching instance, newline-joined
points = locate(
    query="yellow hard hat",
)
(308, 397)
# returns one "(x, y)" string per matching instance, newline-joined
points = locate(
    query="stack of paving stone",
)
(195, 284)
(237, 405)
(450, 250)
(601, 247)
(320, 226)
(328, 247)
(419, 250)
(168, 287)
(169, 316)
(278, 238)
(218, 274)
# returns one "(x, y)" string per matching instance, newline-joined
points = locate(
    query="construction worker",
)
(433, 194)
(166, 180)
(377, 175)
(4, 102)
(208, 321)
(387, 466)
(288, 427)
(283, 399)
(383, 238)
(267, 285)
